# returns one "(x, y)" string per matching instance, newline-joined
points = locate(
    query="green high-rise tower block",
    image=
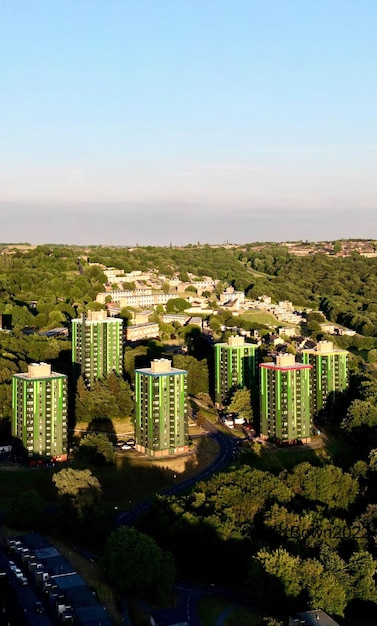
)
(285, 400)
(235, 367)
(97, 345)
(161, 424)
(39, 411)
(330, 372)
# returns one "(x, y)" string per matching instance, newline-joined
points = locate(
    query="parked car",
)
(38, 607)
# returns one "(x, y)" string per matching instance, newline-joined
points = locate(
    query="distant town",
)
(227, 389)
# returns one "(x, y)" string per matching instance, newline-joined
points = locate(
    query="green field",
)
(260, 317)
(132, 478)
(211, 608)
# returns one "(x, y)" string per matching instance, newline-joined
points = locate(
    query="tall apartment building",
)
(97, 345)
(235, 367)
(285, 400)
(39, 405)
(330, 372)
(161, 425)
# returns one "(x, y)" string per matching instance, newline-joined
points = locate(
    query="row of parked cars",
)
(18, 573)
(29, 562)
(125, 445)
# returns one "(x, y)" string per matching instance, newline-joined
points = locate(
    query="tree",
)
(314, 326)
(133, 563)
(362, 568)
(201, 419)
(372, 356)
(97, 447)
(241, 403)
(325, 591)
(276, 572)
(197, 373)
(328, 484)
(80, 488)
(360, 414)
(177, 305)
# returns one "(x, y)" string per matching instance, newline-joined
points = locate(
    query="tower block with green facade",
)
(39, 411)
(161, 425)
(97, 345)
(235, 367)
(285, 400)
(330, 372)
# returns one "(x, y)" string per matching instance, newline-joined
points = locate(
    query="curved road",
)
(225, 455)
(187, 610)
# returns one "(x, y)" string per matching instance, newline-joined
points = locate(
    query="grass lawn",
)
(243, 616)
(16, 480)
(277, 459)
(260, 317)
(211, 608)
(122, 427)
(335, 449)
(132, 478)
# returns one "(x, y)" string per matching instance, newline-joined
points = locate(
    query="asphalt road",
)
(190, 593)
(225, 456)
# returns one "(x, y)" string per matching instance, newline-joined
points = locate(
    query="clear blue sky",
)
(151, 121)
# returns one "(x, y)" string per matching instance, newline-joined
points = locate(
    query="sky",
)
(177, 121)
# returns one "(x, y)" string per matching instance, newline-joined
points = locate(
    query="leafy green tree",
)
(372, 356)
(197, 373)
(134, 358)
(241, 403)
(201, 419)
(361, 413)
(133, 563)
(177, 305)
(328, 485)
(97, 448)
(325, 591)
(278, 573)
(362, 569)
(80, 488)
(314, 326)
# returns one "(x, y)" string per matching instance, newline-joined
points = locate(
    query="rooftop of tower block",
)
(235, 340)
(285, 362)
(39, 370)
(160, 367)
(325, 347)
(96, 316)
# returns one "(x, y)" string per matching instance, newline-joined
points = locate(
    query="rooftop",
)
(39, 370)
(159, 367)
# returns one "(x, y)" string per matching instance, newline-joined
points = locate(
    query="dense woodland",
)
(306, 535)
